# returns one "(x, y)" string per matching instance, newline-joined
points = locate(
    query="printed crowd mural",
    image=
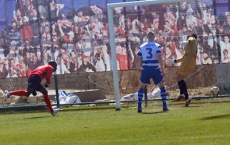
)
(75, 34)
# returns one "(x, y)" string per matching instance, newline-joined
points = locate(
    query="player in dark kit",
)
(34, 84)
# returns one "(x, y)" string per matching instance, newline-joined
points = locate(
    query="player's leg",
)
(159, 81)
(180, 81)
(41, 89)
(181, 96)
(33, 81)
(183, 88)
(144, 79)
(16, 93)
(163, 96)
(186, 66)
(140, 93)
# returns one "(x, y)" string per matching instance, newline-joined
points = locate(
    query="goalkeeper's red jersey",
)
(44, 71)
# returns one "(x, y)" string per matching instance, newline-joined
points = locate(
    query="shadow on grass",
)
(155, 112)
(10, 112)
(38, 117)
(64, 109)
(192, 106)
(216, 117)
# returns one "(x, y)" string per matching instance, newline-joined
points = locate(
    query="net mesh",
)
(171, 24)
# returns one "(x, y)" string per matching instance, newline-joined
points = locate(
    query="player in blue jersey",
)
(150, 63)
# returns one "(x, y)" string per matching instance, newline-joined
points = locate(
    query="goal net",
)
(171, 22)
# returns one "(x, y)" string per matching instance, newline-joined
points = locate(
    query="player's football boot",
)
(55, 112)
(139, 111)
(165, 109)
(187, 102)
(181, 97)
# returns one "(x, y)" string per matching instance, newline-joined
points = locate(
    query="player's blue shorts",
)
(151, 73)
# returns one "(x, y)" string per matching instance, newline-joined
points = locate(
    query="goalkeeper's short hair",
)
(194, 35)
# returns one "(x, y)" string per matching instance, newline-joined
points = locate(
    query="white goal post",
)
(110, 7)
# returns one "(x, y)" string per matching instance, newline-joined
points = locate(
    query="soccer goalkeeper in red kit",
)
(34, 84)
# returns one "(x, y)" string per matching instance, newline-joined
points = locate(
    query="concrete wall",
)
(223, 77)
(102, 83)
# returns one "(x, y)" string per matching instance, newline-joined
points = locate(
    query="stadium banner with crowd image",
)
(74, 33)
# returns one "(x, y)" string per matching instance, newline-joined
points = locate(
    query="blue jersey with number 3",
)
(148, 52)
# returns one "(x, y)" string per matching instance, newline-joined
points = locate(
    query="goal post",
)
(110, 7)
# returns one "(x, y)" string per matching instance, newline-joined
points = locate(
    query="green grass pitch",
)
(199, 124)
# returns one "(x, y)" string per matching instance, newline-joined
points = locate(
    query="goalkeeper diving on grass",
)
(188, 62)
(150, 63)
(34, 84)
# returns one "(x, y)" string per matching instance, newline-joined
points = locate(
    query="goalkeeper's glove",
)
(184, 43)
(191, 39)
(170, 62)
(46, 85)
